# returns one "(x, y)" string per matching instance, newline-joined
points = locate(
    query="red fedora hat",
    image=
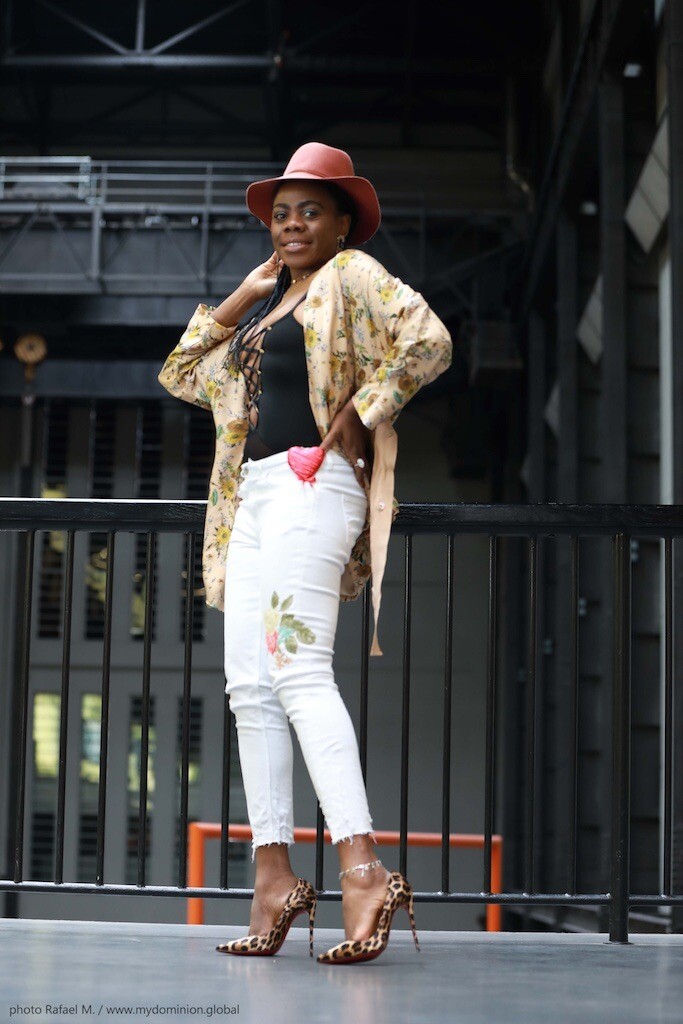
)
(318, 162)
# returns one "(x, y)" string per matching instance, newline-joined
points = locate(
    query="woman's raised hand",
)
(263, 278)
(256, 286)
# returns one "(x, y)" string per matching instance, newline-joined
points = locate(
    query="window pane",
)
(46, 735)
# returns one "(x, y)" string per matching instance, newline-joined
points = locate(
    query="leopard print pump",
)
(353, 951)
(302, 899)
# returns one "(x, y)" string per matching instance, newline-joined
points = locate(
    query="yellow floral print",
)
(234, 432)
(222, 536)
(343, 258)
(367, 335)
(310, 339)
(227, 486)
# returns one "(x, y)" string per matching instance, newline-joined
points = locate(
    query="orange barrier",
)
(200, 831)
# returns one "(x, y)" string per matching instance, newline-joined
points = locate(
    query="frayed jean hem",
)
(255, 843)
(349, 839)
(275, 842)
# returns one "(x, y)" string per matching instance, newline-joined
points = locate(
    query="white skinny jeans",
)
(289, 544)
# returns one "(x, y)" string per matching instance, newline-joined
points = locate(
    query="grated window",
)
(133, 777)
(54, 460)
(45, 736)
(148, 448)
(42, 846)
(87, 847)
(101, 485)
(88, 786)
(194, 768)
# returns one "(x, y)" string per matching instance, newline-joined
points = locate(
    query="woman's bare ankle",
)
(357, 855)
(267, 882)
(272, 866)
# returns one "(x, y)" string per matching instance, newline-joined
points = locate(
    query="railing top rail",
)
(34, 179)
(419, 517)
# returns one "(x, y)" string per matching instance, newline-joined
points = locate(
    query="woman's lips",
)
(294, 246)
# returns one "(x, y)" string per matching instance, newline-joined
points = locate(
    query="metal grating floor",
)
(173, 973)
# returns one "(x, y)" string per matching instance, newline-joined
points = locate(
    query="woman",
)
(304, 395)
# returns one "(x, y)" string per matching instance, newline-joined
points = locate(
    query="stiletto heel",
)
(351, 951)
(301, 899)
(412, 920)
(311, 918)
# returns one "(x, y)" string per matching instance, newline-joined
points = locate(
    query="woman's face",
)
(305, 224)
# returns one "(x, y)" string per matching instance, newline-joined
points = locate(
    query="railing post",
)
(621, 740)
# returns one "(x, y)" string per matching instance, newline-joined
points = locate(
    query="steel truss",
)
(74, 225)
(51, 46)
(277, 53)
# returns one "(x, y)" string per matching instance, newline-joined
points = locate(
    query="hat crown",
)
(320, 160)
(317, 161)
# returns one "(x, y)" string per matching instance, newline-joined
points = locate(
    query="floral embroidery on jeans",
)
(284, 632)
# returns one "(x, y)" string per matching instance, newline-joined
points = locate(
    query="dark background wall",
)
(521, 157)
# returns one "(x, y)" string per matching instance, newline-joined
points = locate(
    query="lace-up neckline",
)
(251, 367)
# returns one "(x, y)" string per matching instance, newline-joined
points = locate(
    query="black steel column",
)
(511, 575)
(535, 600)
(621, 743)
(275, 93)
(674, 57)
(565, 610)
(20, 647)
(612, 266)
(613, 395)
(536, 405)
(529, 681)
(567, 358)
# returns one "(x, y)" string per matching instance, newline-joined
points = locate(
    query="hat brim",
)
(260, 195)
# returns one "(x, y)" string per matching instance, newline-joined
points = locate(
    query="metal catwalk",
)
(172, 972)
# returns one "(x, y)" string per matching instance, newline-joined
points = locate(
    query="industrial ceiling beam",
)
(84, 27)
(111, 44)
(198, 26)
(326, 65)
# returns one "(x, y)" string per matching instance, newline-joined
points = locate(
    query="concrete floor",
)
(468, 977)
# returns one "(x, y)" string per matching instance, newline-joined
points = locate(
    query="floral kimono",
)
(369, 338)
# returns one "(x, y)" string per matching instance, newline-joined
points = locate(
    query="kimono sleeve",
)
(187, 372)
(417, 347)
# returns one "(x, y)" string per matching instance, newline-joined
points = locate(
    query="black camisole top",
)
(278, 390)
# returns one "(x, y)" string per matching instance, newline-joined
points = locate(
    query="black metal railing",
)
(621, 523)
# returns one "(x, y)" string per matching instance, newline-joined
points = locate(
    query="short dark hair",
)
(345, 203)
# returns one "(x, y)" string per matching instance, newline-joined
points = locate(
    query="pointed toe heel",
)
(302, 899)
(353, 951)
